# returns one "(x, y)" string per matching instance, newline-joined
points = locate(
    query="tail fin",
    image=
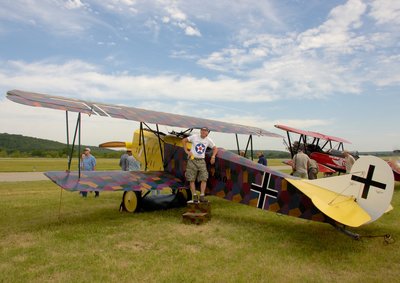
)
(370, 183)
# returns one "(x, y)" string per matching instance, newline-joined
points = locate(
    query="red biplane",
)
(395, 165)
(352, 200)
(326, 150)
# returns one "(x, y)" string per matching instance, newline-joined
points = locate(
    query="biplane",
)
(351, 200)
(326, 150)
(394, 163)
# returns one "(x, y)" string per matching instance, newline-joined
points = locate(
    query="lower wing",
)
(114, 180)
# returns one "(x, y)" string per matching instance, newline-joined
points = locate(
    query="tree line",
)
(22, 146)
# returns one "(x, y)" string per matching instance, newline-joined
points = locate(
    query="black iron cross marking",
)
(263, 190)
(368, 182)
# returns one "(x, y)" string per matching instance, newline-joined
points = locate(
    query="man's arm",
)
(215, 151)
(184, 142)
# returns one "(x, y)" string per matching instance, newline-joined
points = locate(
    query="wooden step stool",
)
(197, 212)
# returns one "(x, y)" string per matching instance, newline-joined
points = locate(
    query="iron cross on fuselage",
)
(263, 190)
(368, 182)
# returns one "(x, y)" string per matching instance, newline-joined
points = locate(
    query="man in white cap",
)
(196, 165)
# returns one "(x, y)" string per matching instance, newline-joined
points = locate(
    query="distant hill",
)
(22, 146)
(269, 154)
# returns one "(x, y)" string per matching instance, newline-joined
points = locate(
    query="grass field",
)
(43, 239)
(55, 164)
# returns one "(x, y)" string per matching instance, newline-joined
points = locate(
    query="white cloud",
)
(385, 11)
(178, 18)
(175, 13)
(59, 17)
(191, 31)
(330, 58)
(73, 4)
(335, 33)
(235, 15)
(80, 78)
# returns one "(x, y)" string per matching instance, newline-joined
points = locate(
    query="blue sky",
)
(328, 66)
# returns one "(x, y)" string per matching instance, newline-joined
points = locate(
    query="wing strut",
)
(159, 143)
(249, 141)
(71, 152)
(237, 143)
(144, 145)
(290, 144)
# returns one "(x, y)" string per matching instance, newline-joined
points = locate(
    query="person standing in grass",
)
(131, 163)
(349, 161)
(122, 161)
(261, 159)
(301, 163)
(89, 164)
(313, 170)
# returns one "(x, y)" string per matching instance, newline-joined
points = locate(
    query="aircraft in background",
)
(326, 150)
(352, 200)
(394, 163)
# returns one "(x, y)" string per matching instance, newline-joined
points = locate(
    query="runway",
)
(22, 176)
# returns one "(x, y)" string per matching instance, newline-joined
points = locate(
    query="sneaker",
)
(203, 199)
(196, 198)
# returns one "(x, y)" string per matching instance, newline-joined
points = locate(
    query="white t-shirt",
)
(200, 145)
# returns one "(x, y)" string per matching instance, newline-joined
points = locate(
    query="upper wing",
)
(114, 180)
(300, 132)
(311, 134)
(131, 113)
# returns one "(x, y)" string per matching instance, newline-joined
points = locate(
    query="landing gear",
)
(184, 195)
(342, 229)
(131, 201)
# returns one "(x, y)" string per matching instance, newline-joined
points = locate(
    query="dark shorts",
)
(194, 167)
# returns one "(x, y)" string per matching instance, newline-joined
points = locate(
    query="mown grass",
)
(89, 240)
(51, 164)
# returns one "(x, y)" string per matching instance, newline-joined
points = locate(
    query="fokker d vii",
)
(352, 200)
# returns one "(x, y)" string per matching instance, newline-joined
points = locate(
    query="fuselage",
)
(232, 177)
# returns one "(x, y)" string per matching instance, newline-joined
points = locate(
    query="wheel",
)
(131, 201)
(184, 195)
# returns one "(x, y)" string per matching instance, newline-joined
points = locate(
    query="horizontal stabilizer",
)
(341, 208)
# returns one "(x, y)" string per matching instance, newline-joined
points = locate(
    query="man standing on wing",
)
(196, 165)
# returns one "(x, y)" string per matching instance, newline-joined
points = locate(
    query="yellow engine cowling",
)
(152, 146)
